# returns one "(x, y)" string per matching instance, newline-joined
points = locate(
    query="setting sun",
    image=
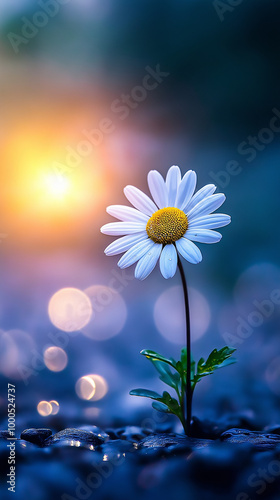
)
(56, 185)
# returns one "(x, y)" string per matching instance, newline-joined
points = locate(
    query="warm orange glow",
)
(57, 193)
(42, 191)
(56, 186)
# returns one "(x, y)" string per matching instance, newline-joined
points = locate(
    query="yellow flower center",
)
(167, 225)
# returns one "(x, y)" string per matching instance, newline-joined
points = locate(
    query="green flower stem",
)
(189, 392)
(182, 412)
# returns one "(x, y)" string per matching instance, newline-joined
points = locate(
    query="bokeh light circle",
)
(55, 358)
(109, 313)
(169, 314)
(85, 387)
(44, 408)
(55, 407)
(91, 387)
(70, 309)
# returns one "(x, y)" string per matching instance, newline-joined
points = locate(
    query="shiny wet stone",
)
(70, 437)
(36, 436)
(173, 442)
(259, 440)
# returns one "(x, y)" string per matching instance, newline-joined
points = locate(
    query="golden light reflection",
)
(91, 387)
(44, 408)
(70, 309)
(55, 359)
(75, 443)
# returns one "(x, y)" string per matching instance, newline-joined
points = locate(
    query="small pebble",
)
(96, 430)
(259, 440)
(36, 436)
(75, 437)
(173, 440)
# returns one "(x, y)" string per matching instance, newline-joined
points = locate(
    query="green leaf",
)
(160, 407)
(145, 393)
(154, 355)
(166, 375)
(172, 403)
(174, 374)
(172, 381)
(165, 402)
(215, 360)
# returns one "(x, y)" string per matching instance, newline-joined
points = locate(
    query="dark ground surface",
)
(219, 462)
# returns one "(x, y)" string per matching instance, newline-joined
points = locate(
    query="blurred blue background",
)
(74, 70)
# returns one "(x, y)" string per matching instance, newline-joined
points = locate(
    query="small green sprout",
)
(174, 374)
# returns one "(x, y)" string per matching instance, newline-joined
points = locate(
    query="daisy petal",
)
(200, 195)
(186, 189)
(140, 200)
(203, 235)
(158, 188)
(147, 263)
(212, 221)
(189, 250)
(168, 261)
(173, 179)
(135, 253)
(125, 243)
(120, 228)
(126, 213)
(206, 206)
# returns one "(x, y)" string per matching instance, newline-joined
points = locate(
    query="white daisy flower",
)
(167, 225)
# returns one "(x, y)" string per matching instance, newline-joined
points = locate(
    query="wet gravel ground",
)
(218, 462)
